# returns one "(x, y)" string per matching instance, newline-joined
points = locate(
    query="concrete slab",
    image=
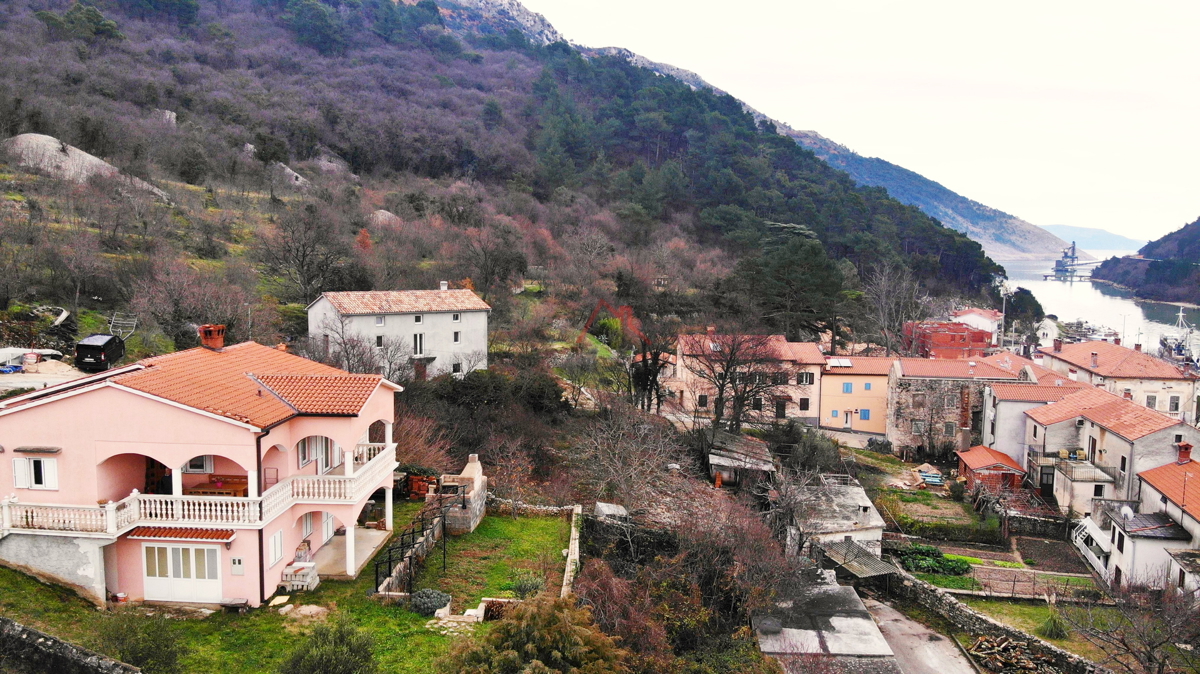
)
(918, 649)
(331, 557)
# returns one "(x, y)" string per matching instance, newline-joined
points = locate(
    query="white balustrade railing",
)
(366, 451)
(136, 509)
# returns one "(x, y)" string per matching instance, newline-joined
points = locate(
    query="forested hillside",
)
(496, 159)
(1169, 272)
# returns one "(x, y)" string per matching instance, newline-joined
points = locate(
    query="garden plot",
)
(927, 506)
(1051, 555)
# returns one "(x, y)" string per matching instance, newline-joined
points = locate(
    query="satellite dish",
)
(1126, 512)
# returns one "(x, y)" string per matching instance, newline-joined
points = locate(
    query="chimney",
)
(445, 285)
(212, 336)
(1117, 341)
(712, 329)
(1185, 453)
(1095, 359)
(1058, 346)
(1137, 347)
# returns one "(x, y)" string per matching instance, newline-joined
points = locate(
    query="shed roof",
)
(1170, 480)
(354, 303)
(1114, 360)
(1189, 560)
(740, 451)
(831, 508)
(1151, 525)
(856, 559)
(980, 457)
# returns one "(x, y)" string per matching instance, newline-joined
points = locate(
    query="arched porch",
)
(340, 545)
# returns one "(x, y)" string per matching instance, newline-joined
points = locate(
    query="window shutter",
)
(21, 473)
(50, 473)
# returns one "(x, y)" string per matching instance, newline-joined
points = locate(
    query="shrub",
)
(957, 491)
(879, 445)
(1055, 626)
(339, 648)
(426, 602)
(928, 559)
(148, 642)
(1030, 562)
(527, 585)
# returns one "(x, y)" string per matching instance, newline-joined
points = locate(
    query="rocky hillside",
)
(1168, 269)
(1092, 238)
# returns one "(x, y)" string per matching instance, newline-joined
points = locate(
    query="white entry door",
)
(326, 527)
(182, 572)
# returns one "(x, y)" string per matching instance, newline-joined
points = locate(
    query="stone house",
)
(934, 406)
(1129, 373)
(835, 508)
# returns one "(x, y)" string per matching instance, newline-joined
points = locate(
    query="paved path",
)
(918, 649)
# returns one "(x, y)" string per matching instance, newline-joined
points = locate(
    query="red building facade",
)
(929, 339)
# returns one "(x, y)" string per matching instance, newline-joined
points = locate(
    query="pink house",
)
(212, 474)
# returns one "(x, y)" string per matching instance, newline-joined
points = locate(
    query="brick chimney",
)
(1095, 359)
(1185, 453)
(445, 285)
(712, 329)
(1117, 341)
(212, 336)
(1137, 347)
(1058, 346)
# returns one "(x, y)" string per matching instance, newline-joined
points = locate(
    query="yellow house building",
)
(854, 394)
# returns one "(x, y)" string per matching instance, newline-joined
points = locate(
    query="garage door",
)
(188, 573)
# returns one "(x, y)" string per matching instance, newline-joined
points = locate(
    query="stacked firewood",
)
(1009, 656)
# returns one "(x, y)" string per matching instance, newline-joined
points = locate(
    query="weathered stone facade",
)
(927, 413)
(472, 483)
(23, 649)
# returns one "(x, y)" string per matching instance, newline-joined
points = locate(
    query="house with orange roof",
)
(442, 331)
(936, 405)
(1153, 535)
(212, 474)
(854, 394)
(1088, 445)
(786, 375)
(1129, 373)
(984, 466)
(1005, 404)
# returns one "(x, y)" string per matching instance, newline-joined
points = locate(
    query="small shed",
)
(996, 471)
(734, 459)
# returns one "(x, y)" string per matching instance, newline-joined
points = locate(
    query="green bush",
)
(928, 559)
(527, 585)
(337, 648)
(148, 642)
(957, 491)
(426, 602)
(1055, 626)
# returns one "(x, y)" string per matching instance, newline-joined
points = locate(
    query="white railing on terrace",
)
(154, 509)
(366, 451)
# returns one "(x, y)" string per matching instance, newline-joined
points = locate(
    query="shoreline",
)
(1136, 297)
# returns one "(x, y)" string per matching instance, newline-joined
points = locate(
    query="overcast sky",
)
(1071, 113)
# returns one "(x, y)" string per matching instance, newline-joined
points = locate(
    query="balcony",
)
(373, 463)
(1084, 471)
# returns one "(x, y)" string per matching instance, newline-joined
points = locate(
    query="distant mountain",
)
(1091, 238)
(1168, 269)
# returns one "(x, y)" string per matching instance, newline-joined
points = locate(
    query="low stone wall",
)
(1058, 528)
(908, 588)
(504, 506)
(23, 649)
(572, 566)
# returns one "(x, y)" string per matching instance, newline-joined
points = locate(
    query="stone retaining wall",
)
(572, 566)
(908, 588)
(504, 506)
(1040, 527)
(23, 649)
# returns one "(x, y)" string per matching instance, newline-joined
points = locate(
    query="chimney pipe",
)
(1137, 347)
(212, 336)
(1117, 341)
(1058, 346)
(1185, 453)
(712, 329)
(1095, 359)
(445, 285)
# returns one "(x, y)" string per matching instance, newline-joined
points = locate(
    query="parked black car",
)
(97, 353)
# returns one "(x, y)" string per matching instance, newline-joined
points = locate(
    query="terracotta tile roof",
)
(986, 313)
(980, 456)
(223, 383)
(775, 346)
(183, 533)
(860, 365)
(1033, 393)
(1011, 362)
(339, 394)
(1114, 360)
(1123, 417)
(952, 369)
(405, 301)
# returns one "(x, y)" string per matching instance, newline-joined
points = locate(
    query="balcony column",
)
(350, 565)
(5, 516)
(387, 506)
(177, 482)
(348, 454)
(388, 438)
(252, 483)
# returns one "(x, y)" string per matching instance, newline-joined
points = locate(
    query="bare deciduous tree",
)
(303, 250)
(736, 369)
(421, 445)
(623, 454)
(894, 297)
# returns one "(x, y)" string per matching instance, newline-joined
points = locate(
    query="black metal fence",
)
(397, 565)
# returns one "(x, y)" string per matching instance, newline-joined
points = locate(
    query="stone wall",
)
(504, 506)
(23, 649)
(77, 563)
(1058, 528)
(472, 483)
(908, 588)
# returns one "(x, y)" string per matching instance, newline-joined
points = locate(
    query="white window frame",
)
(306, 454)
(205, 467)
(419, 319)
(275, 548)
(457, 337)
(380, 321)
(307, 525)
(24, 473)
(456, 318)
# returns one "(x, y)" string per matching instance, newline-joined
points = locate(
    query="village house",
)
(210, 475)
(985, 467)
(988, 320)
(1153, 537)
(1089, 444)
(1129, 373)
(787, 375)
(933, 339)
(443, 331)
(935, 405)
(835, 508)
(854, 394)
(1004, 405)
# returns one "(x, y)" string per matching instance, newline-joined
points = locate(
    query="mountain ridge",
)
(1094, 238)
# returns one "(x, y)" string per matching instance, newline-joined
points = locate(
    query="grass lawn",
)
(1029, 616)
(951, 582)
(485, 562)
(1071, 581)
(252, 643)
